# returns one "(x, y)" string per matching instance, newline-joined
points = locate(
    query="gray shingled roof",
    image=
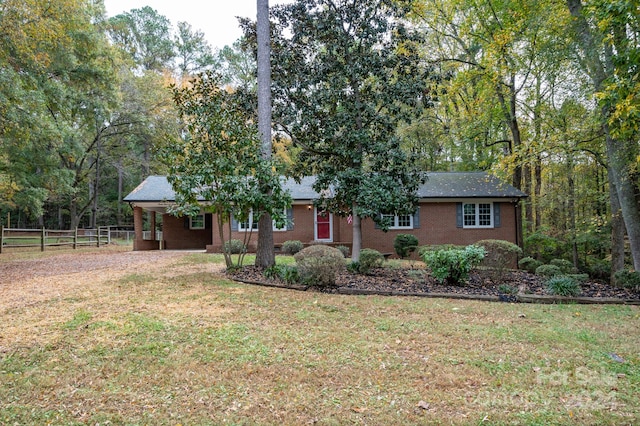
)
(438, 185)
(466, 185)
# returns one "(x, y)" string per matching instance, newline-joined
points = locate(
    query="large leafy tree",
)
(345, 74)
(607, 33)
(55, 61)
(146, 36)
(193, 52)
(218, 166)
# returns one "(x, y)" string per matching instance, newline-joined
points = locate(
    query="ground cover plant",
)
(116, 337)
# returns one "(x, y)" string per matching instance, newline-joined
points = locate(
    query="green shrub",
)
(319, 265)
(353, 267)
(529, 264)
(562, 285)
(344, 250)
(507, 289)
(500, 255)
(548, 270)
(627, 279)
(453, 265)
(437, 247)
(234, 247)
(417, 274)
(599, 268)
(369, 259)
(289, 274)
(566, 267)
(273, 271)
(405, 244)
(292, 247)
(286, 273)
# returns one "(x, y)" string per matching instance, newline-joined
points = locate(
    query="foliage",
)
(436, 247)
(599, 268)
(234, 246)
(405, 244)
(369, 259)
(507, 289)
(287, 273)
(345, 74)
(145, 35)
(542, 246)
(292, 246)
(344, 250)
(319, 264)
(453, 265)
(562, 285)
(566, 267)
(627, 279)
(529, 264)
(548, 270)
(218, 165)
(500, 255)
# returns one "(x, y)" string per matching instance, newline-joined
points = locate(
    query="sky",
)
(216, 18)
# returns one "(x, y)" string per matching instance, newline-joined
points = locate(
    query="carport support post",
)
(153, 225)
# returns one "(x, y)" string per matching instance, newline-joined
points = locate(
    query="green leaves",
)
(218, 164)
(345, 75)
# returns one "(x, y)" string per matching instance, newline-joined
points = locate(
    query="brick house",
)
(454, 208)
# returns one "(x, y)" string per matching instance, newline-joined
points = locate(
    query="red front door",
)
(323, 226)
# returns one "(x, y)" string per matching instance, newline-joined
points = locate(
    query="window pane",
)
(197, 222)
(404, 221)
(469, 215)
(484, 214)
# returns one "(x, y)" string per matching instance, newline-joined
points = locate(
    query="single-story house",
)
(454, 208)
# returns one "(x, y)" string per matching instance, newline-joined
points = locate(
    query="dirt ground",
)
(26, 280)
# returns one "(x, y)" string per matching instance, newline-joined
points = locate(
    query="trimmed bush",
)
(369, 259)
(548, 270)
(319, 264)
(234, 247)
(566, 267)
(627, 279)
(405, 244)
(563, 285)
(344, 250)
(529, 264)
(500, 255)
(453, 265)
(292, 247)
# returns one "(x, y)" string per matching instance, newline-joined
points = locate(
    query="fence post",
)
(42, 239)
(1, 239)
(75, 238)
(98, 235)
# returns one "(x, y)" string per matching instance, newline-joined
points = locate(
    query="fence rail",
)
(14, 237)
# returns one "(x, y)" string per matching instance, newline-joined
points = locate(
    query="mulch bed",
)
(514, 286)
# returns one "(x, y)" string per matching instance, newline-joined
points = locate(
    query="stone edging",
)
(520, 297)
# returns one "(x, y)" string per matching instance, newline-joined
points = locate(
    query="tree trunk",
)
(357, 237)
(265, 255)
(617, 230)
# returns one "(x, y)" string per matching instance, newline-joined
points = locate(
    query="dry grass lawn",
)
(110, 336)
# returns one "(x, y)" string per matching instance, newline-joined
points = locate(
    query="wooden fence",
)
(13, 237)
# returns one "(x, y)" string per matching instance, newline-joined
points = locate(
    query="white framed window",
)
(197, 222)
(404, 221)
(477, 215)
(251, 224)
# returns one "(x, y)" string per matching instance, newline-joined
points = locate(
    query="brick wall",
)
(437, 226)
(177, 235)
